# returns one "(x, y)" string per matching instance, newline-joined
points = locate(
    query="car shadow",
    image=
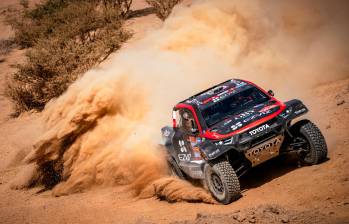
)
(268, 171)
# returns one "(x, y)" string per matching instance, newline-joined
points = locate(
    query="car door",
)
(186, 137)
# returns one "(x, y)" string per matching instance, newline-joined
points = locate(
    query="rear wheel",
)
(222, 182)
(314, 148)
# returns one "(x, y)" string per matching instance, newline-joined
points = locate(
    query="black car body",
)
(235, 120)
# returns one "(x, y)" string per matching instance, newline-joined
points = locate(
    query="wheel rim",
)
(217, 184)
(306, 155)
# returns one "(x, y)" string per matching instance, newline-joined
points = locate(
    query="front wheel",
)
(222, 182)
(314, 147)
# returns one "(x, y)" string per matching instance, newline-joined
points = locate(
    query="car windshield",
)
(233, 105)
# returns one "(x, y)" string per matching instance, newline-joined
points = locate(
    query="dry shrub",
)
(163, 8)
(6, 45)
(66, 38)
(124, 5)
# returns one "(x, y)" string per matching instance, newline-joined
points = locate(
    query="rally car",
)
(219, 134)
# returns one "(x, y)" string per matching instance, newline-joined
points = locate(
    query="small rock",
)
(340, 102)
(328, 198)
(331, 213)
(342, 203)
(200, 215)
(252, 221)
(239, 218)
(285, 219)
(328, 126)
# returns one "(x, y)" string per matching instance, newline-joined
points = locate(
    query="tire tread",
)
(317, 141)
(230, 178)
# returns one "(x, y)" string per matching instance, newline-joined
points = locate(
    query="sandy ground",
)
(317, 191)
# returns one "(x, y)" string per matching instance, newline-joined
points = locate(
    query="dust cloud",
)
(104, 131)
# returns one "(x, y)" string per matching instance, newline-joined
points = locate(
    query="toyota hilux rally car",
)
(221, 133)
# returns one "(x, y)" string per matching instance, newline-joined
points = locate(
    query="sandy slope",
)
(319, 189)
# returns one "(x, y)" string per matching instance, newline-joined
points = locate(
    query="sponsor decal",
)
(218, 88)
(236, 126)
(184, 157)
(182, 146)
(259, 129)
(265, 151)
(238, 83)
(265, 147)
(227, 122)
(219, 143)
(197, 102)
(267, 108)
(214, 153)
(286, 113)
(259, 114)
(224, 142)
(244, 114)
(300, 111)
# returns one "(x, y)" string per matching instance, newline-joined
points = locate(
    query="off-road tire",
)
(174, 168)
(317, 144)
(230, 190)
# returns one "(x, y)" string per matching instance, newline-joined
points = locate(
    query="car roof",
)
(217, 92)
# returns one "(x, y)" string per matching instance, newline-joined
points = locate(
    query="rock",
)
(328, 126)
(239, 217)
(252, 220)
(331, 213)
(200, 215)
(340, 102)
(285, 219)
(342, 203)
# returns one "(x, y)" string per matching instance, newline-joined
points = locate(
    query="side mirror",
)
(271, 92)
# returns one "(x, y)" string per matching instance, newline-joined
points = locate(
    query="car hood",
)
(245, 120)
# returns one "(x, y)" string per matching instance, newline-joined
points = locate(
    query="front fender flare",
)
(294, 108)
(211, 151)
